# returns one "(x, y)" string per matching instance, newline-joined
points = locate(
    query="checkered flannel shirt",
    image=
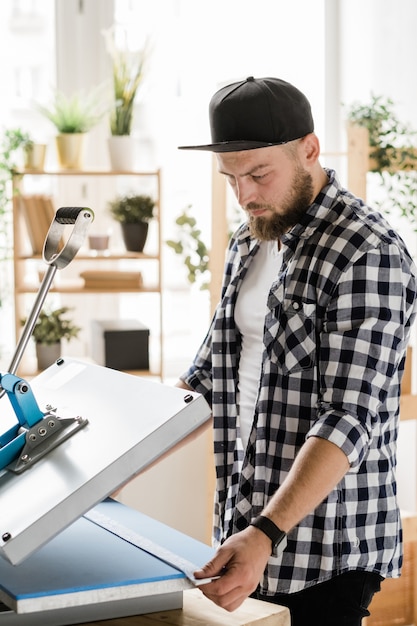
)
(336, 330)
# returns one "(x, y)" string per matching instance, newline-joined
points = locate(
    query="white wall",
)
(378, 52)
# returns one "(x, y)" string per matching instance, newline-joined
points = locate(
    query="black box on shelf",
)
(120, 344)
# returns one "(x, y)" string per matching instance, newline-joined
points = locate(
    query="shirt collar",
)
(316, 212)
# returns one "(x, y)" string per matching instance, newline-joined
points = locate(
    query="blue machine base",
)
(87, 573)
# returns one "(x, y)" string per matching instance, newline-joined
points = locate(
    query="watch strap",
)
(271, 530)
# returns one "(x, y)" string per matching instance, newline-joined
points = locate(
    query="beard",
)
(293, 208)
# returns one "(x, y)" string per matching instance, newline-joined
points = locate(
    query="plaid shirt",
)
(336, 330)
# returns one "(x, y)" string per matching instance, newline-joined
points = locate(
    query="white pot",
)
(122, 152)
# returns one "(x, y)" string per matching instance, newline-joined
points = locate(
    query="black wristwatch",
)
(271, 530)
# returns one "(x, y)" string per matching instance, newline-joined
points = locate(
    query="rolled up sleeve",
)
(361, 353)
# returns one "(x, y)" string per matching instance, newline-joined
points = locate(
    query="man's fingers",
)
(227, 596)
(215, 567)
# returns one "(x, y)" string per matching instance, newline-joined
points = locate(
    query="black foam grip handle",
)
(68, 214)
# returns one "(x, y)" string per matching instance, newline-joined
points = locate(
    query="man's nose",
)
(245, 192)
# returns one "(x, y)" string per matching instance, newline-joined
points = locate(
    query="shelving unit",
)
(104, 186)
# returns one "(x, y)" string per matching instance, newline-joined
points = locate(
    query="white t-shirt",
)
(250, 314)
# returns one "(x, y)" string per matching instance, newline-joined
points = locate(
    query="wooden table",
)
(199, 611)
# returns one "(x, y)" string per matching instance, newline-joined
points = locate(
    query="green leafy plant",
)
(52, 326)
(393, 153)
(131, 209)
(390, 140)
(192, 248)
(77, 113)
(12, 141)
(127, 73)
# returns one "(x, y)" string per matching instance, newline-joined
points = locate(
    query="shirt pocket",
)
(294, 348)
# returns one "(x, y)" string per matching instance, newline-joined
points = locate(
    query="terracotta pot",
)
(135, 235)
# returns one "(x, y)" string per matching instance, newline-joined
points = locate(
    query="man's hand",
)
(240, 563)
(241, 560)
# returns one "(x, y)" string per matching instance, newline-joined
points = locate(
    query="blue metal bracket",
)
(27, 412)
(36, 432)
(22, 399)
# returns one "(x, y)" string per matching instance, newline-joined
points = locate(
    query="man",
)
(302, 366)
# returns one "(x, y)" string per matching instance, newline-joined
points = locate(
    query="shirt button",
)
(296, 306)
(356, 542)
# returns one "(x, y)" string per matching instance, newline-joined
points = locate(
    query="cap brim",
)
(232, 146)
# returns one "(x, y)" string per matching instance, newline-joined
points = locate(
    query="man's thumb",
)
(212, 568)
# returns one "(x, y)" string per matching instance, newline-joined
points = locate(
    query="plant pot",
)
(99, 243)
(70, 150)
(35, 156)
(47, 354)
(122, 152)
(135, 235)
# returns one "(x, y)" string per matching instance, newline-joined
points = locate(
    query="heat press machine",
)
(69, 553)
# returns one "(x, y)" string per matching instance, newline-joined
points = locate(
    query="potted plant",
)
(127, 76)
(11, 143)
(50, 328)
(15, 140)
(34, 156)
(192, 249)
(73, 116)
(133, 212)
(392, 154)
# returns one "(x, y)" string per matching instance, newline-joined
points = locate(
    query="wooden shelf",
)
(79, 288)
(91, 256)
(26, 225)
(90, 172)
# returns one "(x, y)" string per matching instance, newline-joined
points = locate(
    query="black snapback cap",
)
(256, 113)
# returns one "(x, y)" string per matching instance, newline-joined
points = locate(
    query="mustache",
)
(253, 206)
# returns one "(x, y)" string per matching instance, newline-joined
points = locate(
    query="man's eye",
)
(258, 177)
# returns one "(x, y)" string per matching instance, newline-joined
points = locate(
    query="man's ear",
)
(310, 148)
